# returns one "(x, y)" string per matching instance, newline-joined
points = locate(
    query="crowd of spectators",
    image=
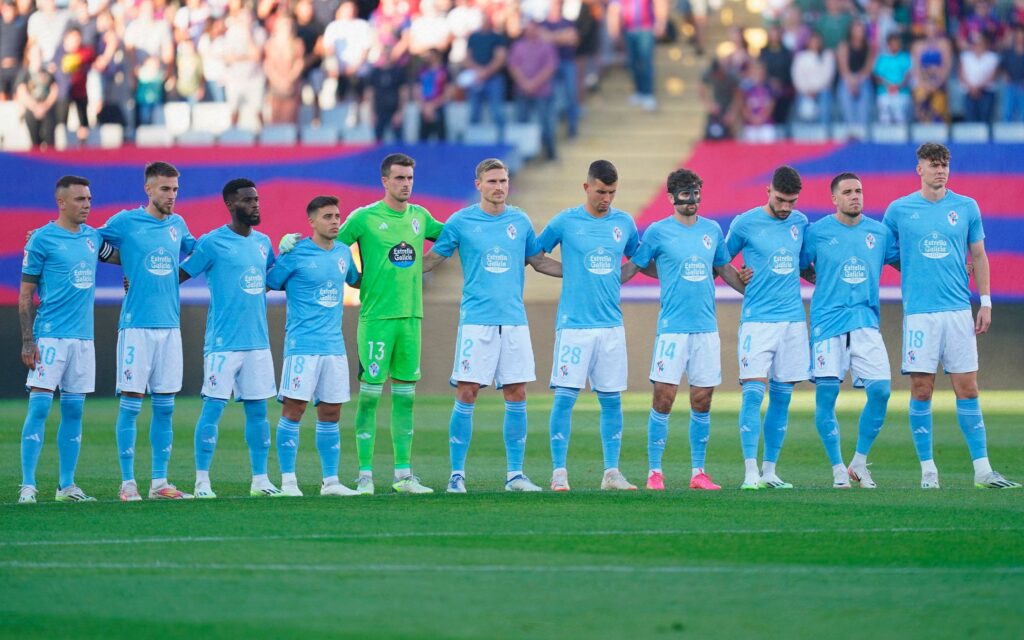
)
(860, 62)
(118, 61)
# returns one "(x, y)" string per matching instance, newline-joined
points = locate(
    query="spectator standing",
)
(109, 68)
(978, 68)
(429, 30)
(190, 19)
(856, 60)
(283, 60)
(464, 19)
(146, 37)
(720, 93)
(13, 37)
(814, 72)
(758, 105)
(149, 90)
(778, 64)
(347, 41)
(638, 23)
(431, 95)
(881, 24)
(795, 33)
(932, 61)
(37, 93)
(212, 50)
(738, 58)
(892, 81)
(83, 20)
(244, 82)
(73, 60)
(562, 33)
(589, 26)
(45, 29)
(834, 23)
(1011, 65)
(189, 84)
(387, 88)
(483, 78)
(390, 22)
(532, 63)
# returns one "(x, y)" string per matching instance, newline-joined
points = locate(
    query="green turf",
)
(812, 562)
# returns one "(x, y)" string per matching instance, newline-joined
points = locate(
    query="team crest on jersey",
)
(128, 375)
(263, 252)
(92, 245)
(564, 370)
(342, 265)
(173, 233)
(911, 357)
(415, 226)
(744, 361)
(794, 233)
(821, 361)
(212, 380)
(511, 231)
(40, 371)
(870, 240)
(707, 241)
(661, 366)
(296, 382)
(953, 218)
(465, 366)
(374, 369)
(617, 234)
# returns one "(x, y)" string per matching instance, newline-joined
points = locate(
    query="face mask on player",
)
(692, 193)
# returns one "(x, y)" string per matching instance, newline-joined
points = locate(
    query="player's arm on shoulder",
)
(732, 277)
(629, 269)
(431, 260)
(545, 264)
(433, 227)
(809, 274)
(27, 316)
(983, 280)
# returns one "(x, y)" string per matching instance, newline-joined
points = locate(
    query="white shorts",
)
(945, 337)
(249, 374)
(68, 363)
(775, 350)
(860, 351)
(597, 355)
(149, 360)
(698, 355)
(316, 378)
(487, 354)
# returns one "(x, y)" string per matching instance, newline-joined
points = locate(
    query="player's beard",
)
(687, 211)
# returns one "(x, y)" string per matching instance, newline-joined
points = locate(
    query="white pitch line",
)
(495, 534)
(335, 569)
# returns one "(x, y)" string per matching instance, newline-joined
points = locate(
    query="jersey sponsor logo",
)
(328, 294)
(869, 240)
(794, 233)
(953, 218)
(92, 245)
(707, 241)
(402, 255)
(934, 245)
(82, 276)
(694, 269)
(415, 226)
(159, 262)
(599, 262)
(251, 281)
(511, 231)
(496, 260)
(173, 233)
(854, 271)
(617, 234)
(782, 262)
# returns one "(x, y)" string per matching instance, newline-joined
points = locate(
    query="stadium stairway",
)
(644, 146)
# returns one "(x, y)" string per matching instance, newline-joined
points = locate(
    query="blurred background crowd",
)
(85, 63)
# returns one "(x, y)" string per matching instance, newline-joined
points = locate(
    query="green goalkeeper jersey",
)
(391, 250)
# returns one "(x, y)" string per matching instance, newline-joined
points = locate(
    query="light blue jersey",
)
(236, 272)
(592, 251)
(314, 280)
(150, 253)
(771, 247)
(65, 263)
(686, 258)
(848, 264)
(934, 239)
(493, 251)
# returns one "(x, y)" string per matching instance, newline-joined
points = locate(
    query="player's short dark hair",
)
(604, 171)
(846, 175)
(319, 203)
(683, 178)
(787, 180)
(160, 169)
(933, 152)
(233, 186)
(66, 181)
(489, 164)
(400, 159)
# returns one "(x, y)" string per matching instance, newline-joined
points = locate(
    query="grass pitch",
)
(812, 562)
